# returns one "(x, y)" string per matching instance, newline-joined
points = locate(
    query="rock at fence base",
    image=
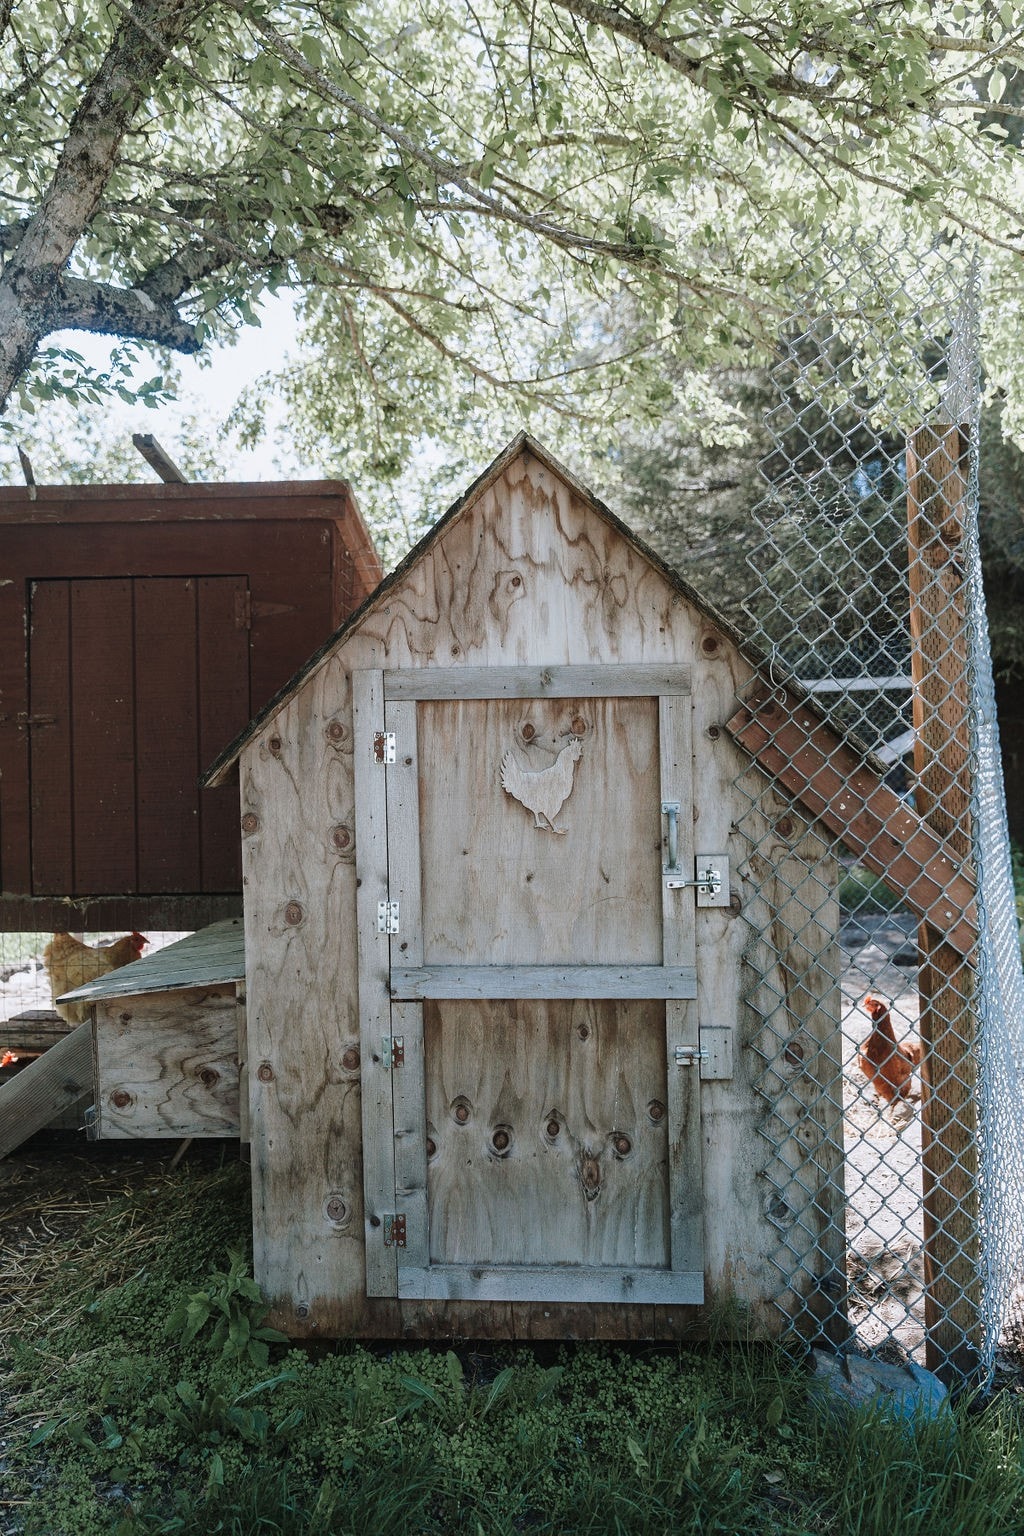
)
(841, 1384)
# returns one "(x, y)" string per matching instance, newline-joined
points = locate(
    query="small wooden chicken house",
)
(507, 982)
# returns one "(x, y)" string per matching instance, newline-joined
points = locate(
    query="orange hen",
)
(70, 963)
(887, 1066)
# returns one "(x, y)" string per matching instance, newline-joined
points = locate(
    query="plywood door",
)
(526, 1119)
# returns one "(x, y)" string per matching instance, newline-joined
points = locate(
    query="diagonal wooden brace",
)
(792, 744)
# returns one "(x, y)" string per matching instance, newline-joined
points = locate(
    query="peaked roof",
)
(520, 446)
(832, 775)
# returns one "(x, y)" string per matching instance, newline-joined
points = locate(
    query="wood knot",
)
(293, 914)
(529, 731)
(501, 1139)
(250, 823)
(341, 837)
(709, 645)
(431, 1147)
(265, 1072)
(336, 732)
(590, 1176)
(336, 1209)
(350, 1059)
(208, 1076)
(656, 1110)
(579, 725)
(120, 1098)
(274, 746)
(713, 732)
(623, 1146)
(784, 826)
(553, 1128)
(461, 1112)
(583, 1031)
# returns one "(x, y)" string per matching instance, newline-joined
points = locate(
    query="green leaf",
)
(43, 1432)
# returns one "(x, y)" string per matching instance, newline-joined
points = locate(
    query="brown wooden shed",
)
(140, 626)
(515, 942)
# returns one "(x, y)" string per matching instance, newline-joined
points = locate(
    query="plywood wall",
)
(528, 573)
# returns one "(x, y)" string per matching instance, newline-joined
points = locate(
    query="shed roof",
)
(210, 957)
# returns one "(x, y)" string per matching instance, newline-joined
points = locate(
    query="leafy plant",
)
(213, 1415)
(233, 1304)
(862, 891)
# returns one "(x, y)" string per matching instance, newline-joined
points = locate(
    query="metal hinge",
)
(387, 917)
(22, 720)
(393, 1048)
(689, 1055)
(394, 1230)
(384, 747)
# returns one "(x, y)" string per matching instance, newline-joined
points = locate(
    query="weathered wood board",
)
(166, 1064)
(521, 1116)
(46, 1088)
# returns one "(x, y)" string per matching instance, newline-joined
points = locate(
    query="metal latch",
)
(387, 917)
(384, 747)
(711, 883)
(690, 1055)
(394, 1231)
(393, 1047)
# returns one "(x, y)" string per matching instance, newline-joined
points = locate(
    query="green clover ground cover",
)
(145, 1396)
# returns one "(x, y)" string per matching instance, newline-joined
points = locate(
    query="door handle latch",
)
(711, 880)
(670, 810)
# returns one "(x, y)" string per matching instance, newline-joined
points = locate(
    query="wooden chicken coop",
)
(513, 941)
(140, 625)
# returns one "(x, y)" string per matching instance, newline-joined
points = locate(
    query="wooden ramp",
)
(45, 1088)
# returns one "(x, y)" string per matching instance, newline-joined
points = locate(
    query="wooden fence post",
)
(937, 460)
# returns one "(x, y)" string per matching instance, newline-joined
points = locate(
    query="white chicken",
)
(543, 790)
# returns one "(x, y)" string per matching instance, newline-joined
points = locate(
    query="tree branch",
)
(31, 283)
(78, 305)
(445, 172)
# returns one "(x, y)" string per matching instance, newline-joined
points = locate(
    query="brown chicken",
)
(887, 1066)
(70, 964)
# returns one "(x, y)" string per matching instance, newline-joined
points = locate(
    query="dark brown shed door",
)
(531, 1116)
(135, 685)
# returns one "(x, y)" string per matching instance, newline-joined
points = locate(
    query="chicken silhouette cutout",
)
(543, 790)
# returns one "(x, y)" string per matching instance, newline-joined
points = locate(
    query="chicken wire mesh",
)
(895, 1184)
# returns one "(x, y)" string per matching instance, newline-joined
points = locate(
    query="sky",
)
(212, 387)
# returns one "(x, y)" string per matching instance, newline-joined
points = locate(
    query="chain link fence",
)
(891, 1070)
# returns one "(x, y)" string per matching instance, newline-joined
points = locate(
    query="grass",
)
(144, 1397)
(861, 891)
